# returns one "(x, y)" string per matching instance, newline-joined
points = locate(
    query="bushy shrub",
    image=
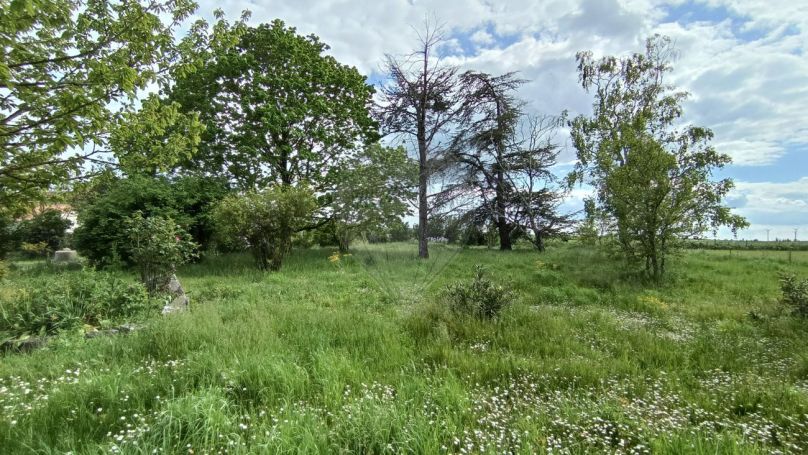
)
(36, 250)
(48, 227)
(795, 294)
(8, 237)
(481, 298)
(101, 236)
(157, 245)
(48, 303)
(265, 221)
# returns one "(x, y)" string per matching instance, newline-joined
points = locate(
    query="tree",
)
(650, 177)
(490, 118)
(537, 194)
(421, 101)
(371, 192)
(48, 227)
(265, 221)
(276, 109)
(66, 67)
(501, 160)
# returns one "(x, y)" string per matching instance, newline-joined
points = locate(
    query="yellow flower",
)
(334, 258)
(654, 301)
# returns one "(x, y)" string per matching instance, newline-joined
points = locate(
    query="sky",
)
(744, 64)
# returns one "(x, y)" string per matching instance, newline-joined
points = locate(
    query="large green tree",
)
(277, 108)
(68, 68)
(651, 173)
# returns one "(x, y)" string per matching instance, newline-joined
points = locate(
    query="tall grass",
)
(364, 357)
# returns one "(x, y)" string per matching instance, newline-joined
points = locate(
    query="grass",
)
(358, 354)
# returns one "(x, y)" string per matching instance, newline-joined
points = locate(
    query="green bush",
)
(101, 236)
(265, 221)
(48, 227)
(481, 298)
(795, 294)
(8, 237)
(157, 245)
(50, 303)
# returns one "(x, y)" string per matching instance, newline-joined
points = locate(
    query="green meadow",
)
(360, 353)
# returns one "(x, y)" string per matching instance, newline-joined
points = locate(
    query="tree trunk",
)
(423, 182)
(502, 222)
(423, 247)
(504, 234)
(538, 241)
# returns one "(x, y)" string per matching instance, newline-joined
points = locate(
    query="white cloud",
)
(482, 37)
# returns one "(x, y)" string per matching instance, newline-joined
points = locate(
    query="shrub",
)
(157, 245)
(48, 304)
(265, 221)
(3, 270)
(36, 250)
(795, 294)
(101, 236)
(481, 298)
(48, 227)
(8, 237)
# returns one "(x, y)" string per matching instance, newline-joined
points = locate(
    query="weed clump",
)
(481, 298)
(47, 305)
(795, 294)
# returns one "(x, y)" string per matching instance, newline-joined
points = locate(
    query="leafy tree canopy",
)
(67, 67)
(275, 107)
(652, 175)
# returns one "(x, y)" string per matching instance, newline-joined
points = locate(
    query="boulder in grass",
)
(65, 256)
(179, 301)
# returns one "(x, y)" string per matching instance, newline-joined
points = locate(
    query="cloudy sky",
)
(743, 61)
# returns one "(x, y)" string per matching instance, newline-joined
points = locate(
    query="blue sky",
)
(742, 61)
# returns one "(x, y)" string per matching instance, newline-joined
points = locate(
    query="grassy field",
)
(359, 354)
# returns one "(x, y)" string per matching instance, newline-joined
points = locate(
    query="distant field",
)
(359, 354)
(776, 255)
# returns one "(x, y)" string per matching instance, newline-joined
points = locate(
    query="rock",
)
(174, 286)
(65, 255)
(129, 327)
(180, 300)
(101, 333)
(26, 345)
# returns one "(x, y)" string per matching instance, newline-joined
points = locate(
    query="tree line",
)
(257, 138)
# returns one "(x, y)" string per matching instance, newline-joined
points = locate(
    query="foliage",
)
(481, 298)
(157, 129)
(651, 178)
(3, 270)
(795, 293)
(106, 203)
(371, 193)
(48, 304)
(36, 250)
(157, 245)
(8, 235)
(275, 107)
(48, 227)
(67, 67)
(265, 221)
